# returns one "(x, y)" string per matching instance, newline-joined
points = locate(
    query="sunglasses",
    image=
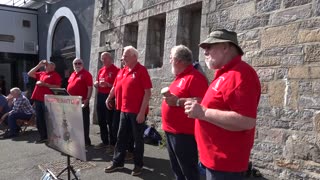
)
(77, 63)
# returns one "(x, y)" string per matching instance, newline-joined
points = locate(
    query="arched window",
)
(63, 49)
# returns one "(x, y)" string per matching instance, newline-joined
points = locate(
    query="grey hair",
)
(15, 89)
(106, 54)
(77, 59)
(132, 51)
(183, 53)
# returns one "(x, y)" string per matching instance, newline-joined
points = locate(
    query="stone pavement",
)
(21, 159)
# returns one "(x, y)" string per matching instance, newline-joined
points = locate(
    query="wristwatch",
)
(178, 102)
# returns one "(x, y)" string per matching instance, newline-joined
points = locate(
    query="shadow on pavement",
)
(98, 155)
(30, 136)
(155, 167)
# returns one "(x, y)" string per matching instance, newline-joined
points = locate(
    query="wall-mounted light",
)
(47, 8)
(108, 43)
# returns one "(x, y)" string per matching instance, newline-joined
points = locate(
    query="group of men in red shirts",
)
(79, 84)
(217, 121)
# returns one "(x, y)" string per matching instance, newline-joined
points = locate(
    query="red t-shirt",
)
(52, 78)
(79, 83)
(190, 83)
(134, 83)
(109, 75)
(118, 89)
(236, 87)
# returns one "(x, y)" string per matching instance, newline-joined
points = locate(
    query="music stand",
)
(69, 168)
(58, 141)
(59, 91)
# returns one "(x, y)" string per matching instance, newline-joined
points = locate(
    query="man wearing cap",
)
(104, 82)
(45, 80)
(189, 83)
(226, 117)
(80, 84)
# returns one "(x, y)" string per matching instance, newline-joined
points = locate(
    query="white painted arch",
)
(60, 13)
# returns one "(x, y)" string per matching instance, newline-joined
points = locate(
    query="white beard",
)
(173, 70)
(209, 64)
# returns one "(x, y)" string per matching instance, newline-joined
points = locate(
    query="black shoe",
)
(136, 171)
(112, 168)
(40, 141)
(8, 135)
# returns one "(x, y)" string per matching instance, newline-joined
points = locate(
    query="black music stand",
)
(59, 91)
(69, 168)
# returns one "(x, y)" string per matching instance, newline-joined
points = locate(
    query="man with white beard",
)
(190, 84)
(80, 84)
(226, 117)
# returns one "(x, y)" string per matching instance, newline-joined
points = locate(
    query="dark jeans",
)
(220, 175)
(105, 120)
(12, 121)
(86, 124)
(183, 155)
(41, 121)
(115, 127)
(127, 122)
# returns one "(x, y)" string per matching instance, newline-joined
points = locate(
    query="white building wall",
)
(25, 38)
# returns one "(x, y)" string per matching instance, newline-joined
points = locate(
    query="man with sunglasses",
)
(226, 117)
(45, 80)
(80, 84)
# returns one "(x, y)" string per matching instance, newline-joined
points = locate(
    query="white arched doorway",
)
(60, 13)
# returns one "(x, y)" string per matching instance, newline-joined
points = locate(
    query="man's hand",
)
(86, 102)
(140, 118)
(171, 100)
(96, 84)
(41, 83)
(194, 110)
(109, 103)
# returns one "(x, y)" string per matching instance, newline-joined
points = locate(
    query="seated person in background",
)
(21, 109)
(4, 108)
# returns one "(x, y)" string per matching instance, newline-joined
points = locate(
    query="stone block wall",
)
(281, 40)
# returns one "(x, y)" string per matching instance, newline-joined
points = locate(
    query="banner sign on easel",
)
(65, 125)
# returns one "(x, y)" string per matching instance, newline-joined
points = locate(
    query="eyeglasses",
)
(77, 63)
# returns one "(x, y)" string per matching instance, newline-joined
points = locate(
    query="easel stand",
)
(69, 168)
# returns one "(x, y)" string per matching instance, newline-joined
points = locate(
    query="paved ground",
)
(20, 159)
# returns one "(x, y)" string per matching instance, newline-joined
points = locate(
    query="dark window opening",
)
(155, 41)
(189, 28)
(131, 34)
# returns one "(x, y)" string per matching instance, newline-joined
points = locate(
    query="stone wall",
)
(281, 41)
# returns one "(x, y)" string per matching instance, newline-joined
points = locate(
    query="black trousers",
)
(115, 127)
(183, 155)
(220, 175)
(86, 124)
(105, 120)
(41, 122)
(127, 122)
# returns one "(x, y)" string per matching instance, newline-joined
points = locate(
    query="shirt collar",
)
(185, 71)
(228, 66)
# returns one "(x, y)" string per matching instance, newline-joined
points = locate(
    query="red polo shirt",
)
(236, 87)
(109, 74)
(47, 77)
(79, 83)
(118, 89)
(134, 83)
(190, 83)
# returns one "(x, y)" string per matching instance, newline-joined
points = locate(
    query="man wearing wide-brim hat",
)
(226, 117)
